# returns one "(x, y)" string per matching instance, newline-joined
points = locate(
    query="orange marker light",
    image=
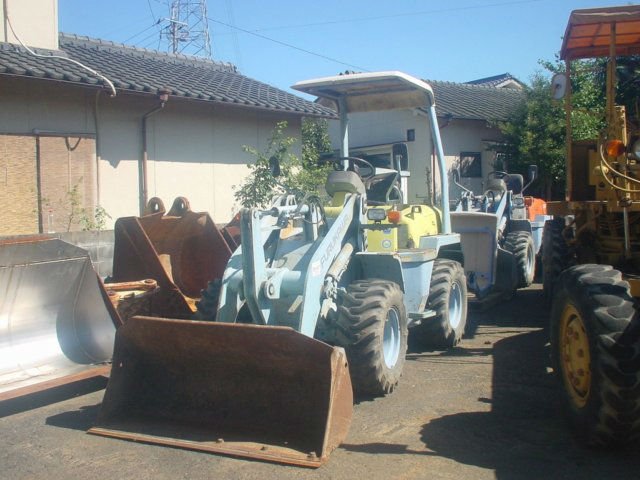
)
(394, 216)
(615, 148)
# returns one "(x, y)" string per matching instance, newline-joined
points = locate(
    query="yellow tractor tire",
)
(595, 354)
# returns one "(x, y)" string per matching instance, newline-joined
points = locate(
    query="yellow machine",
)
(591, 249)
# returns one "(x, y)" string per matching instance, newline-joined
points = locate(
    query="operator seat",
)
(379, 186)
(344, 181)
(515, 182)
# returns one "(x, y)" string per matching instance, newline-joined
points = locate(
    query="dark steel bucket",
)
(262, 392)
(182, 250)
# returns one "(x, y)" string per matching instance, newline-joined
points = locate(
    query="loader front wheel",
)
(208, 303)
(595, 354)
(448, 298)
(372, 327)
(520, 244)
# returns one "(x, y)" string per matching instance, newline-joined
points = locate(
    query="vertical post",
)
(39, 186)
(568, 161)
(344, 130)
(444, 180)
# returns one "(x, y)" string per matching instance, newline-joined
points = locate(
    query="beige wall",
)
(34, 21)
(194, 149)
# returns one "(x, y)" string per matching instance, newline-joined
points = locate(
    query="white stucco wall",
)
(194, 149)
(34, 21)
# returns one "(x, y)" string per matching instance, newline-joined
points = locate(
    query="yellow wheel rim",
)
(575, 357)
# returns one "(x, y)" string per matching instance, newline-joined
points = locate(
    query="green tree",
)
(311, 177)
(301, 176)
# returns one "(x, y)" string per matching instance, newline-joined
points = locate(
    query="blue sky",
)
(454, 40)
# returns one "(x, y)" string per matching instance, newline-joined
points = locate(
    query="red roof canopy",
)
(588, 33)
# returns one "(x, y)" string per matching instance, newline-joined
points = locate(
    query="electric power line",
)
(397, 15)
(264, 37)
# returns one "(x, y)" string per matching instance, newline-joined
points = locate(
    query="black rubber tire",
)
(520, 244)
(208, 303)
(442, 331)
(606, 408)
(362, 317)
(555, 255)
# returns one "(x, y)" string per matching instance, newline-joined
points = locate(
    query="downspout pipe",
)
(163, 95)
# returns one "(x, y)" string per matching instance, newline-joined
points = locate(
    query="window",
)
(470, 164)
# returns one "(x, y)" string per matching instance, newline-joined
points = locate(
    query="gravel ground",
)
(486, 409)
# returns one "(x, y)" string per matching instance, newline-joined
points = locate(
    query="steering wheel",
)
(497, 174)
(358, 165)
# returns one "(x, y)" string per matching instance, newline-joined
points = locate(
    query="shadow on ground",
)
(51, 396)
(524, 435)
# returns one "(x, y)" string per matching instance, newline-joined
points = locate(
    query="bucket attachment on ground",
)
(182, 251)
(57, 325)
(262, 392)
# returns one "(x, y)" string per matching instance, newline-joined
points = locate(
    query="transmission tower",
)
(187, 28)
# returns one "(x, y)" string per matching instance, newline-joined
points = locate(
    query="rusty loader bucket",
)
(182, 250)
(262, 392)
(57, 325)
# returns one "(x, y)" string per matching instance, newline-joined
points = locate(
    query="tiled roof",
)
(146, 71)
(496, 80)
(474, 102)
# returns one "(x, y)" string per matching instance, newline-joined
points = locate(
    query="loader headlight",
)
(376, 214)
(614, 147)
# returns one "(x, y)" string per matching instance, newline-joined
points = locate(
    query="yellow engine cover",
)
(415, 221)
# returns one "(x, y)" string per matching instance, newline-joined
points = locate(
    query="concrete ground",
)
(486, 409)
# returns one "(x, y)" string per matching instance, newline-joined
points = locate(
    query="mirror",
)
(274, 166)
(558, 86)
(532, 172)
(400, 156)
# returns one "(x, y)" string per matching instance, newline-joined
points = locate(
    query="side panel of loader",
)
(244, 390)
(56, 322)
(478, 235)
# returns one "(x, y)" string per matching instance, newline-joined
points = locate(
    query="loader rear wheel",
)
(555, 255)
(595, 354)
(520, 244)
(448, 298)
(372, 326)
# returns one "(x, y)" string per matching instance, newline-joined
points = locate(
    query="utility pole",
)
(187, 28)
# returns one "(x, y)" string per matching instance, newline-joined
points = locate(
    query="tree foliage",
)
(536, 132)
(300, 176)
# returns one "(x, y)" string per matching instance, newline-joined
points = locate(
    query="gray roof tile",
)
(146, 71)
(475, 102)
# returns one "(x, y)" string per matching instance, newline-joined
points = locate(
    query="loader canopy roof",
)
(367, 92)
(588, 33)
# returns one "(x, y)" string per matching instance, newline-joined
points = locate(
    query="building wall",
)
(34, 21)
(194, 149)
(458, 136)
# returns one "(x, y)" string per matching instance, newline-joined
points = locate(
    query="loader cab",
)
(386, 180)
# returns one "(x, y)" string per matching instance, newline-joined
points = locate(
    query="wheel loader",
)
(591, 248)
(314, 305)
(501, 232)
